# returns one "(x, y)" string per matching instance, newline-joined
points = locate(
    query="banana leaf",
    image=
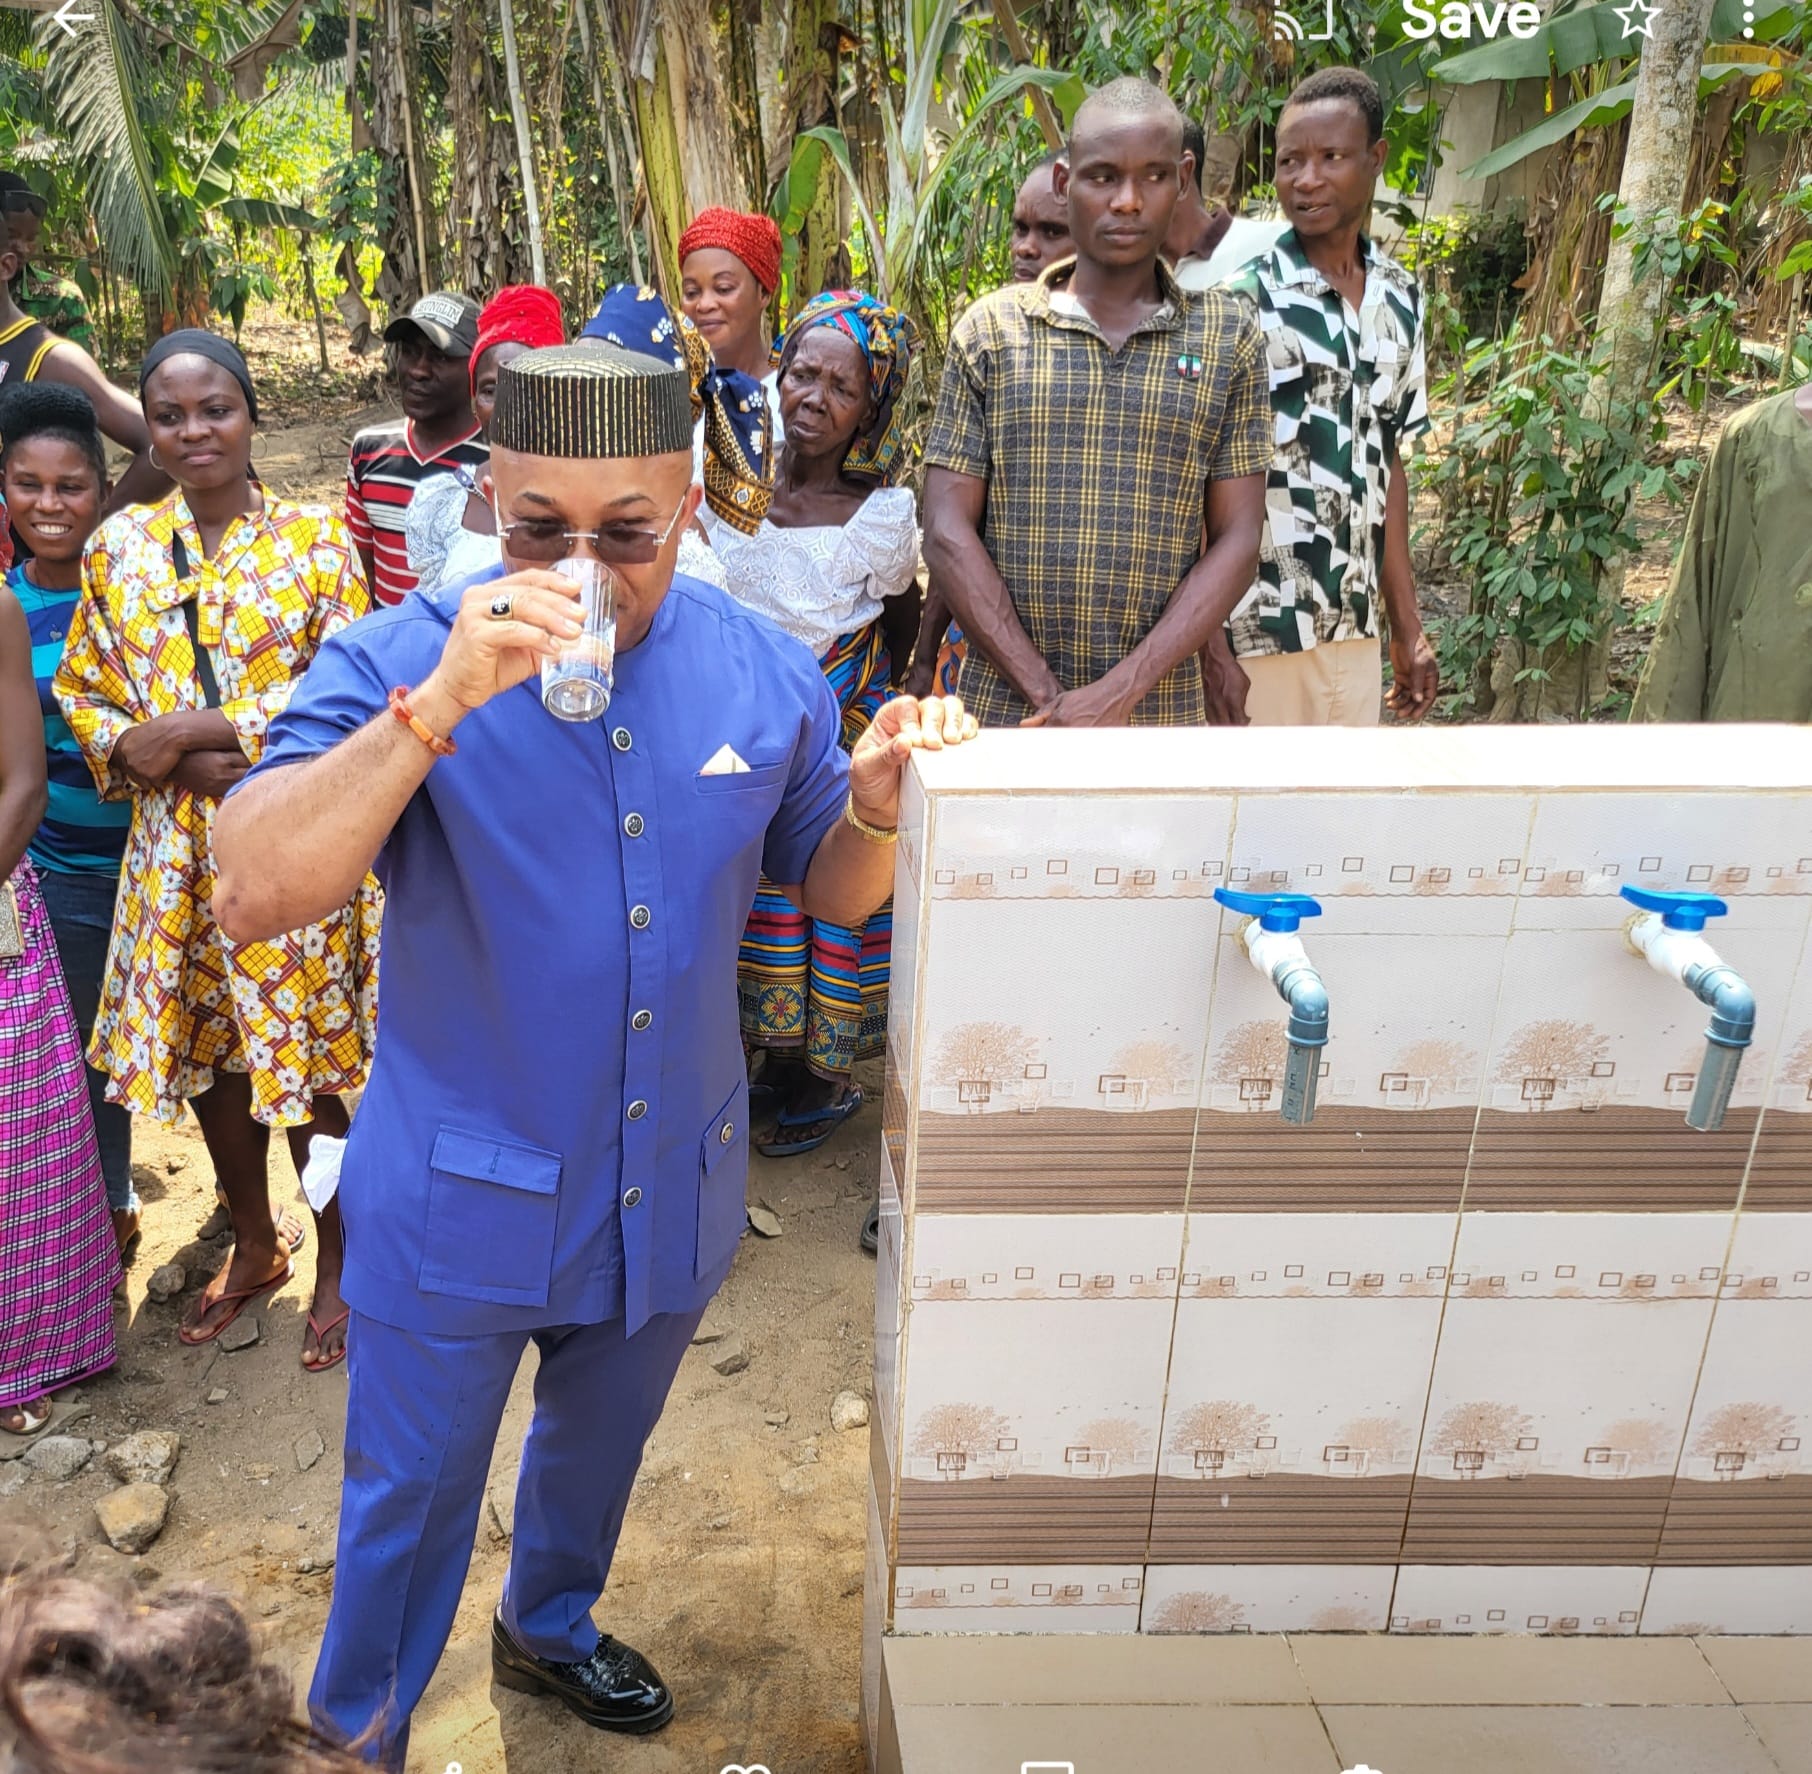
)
(1569, 41)
(1591, 113)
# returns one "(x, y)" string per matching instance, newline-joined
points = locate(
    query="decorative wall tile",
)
(1591, 1256)
(1031, 1428)
(877, 1595)
(1745, 846)
(1770, 1257)
(1400, 1078)
(1017, 1598)
(1426, 848)
(1019, 847)
(1273, 1457)
(890, 1346)
(1001, 1258)
(1335, 1256)
(1780, 1171)
(1267, 1598)
(1592, 1070)
(1743, 1491)
(1057, 1076)
(1729, 1599)
(1563, 1600)
(1553, 1429)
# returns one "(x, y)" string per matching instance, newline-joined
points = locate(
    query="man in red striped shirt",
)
(431, 352)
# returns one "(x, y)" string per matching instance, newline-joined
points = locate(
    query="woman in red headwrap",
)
(450, 529)
(729, 269)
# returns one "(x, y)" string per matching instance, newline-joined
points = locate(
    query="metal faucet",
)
(1665, 932)
(1273, 947)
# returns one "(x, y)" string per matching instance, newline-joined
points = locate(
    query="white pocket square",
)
(724, 762)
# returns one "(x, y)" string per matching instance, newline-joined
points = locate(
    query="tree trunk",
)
(483, 223)
(411, 248)
(684, 121)
(525, 148)
(1655, 167)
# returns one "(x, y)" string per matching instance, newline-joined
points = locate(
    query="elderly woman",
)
(833, 562)
(451, 531)
(197, 616)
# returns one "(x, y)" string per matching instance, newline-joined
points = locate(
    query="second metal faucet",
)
(1272, 945)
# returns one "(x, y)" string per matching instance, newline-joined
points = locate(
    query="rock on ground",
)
(59, 1456)
(849, 1410)
(149, 1457)
(242, 1333)
(133, 1516)
(167, 1282)
(731, 1357)
(309, 1449)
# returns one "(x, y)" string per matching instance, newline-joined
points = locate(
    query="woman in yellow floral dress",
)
(197, 615)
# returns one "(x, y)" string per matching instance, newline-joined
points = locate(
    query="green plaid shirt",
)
(1346, 390)
(57, 303)
(1097, 463)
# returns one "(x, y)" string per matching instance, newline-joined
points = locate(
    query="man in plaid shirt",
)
(1095, 484)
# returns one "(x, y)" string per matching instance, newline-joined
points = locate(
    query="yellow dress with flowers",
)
(180, 1002)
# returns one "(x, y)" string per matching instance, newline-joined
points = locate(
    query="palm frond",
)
(101, 91)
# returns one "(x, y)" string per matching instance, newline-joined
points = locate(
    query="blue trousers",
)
(422, 1414)
(81, 919)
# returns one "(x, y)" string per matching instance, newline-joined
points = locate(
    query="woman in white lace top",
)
(832, 562)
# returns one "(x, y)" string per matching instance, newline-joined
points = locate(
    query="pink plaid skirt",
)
(58, 1257)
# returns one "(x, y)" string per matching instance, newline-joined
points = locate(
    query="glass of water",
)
(577, 681)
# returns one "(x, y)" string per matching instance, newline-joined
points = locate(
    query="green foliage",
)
(1701, 350)
(1541, 485)
(1468, 264)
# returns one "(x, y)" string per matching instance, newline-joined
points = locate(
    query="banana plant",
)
(916, 159)
(1586, 39)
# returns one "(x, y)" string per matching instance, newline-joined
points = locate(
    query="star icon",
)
(1638, 18)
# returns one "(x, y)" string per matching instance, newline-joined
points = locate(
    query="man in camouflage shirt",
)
(1342, 325)
(42, 294)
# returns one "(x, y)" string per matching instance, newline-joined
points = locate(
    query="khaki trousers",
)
(1337, 684)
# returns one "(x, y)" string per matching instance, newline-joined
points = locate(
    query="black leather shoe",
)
(615, 1688)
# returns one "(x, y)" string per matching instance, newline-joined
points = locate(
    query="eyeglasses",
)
(546, 539)
(12, 202)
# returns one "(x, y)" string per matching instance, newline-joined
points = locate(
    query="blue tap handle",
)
(1282, 912)
(1679, 911)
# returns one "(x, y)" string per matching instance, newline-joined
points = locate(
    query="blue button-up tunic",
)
(556, 1126)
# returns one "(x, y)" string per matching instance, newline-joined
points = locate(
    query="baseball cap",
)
(447, 320)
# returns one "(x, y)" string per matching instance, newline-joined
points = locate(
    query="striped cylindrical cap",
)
(592, 399)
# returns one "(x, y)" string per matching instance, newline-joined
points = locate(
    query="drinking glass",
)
(577, 681)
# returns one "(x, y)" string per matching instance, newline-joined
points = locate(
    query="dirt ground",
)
(740, 1570)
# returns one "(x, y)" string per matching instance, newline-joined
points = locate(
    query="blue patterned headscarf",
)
(739, 458)
(886, 338)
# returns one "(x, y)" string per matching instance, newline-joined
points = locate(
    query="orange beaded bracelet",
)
(399, 706)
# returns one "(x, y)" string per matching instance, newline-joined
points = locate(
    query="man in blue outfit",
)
(553, 1142)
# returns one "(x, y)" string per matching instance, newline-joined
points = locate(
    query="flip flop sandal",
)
(36, 1412)
(239, 1299)
(218, 1224)
(322, 1333)
(810, 1131)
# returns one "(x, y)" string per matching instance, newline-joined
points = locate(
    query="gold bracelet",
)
(875, 834)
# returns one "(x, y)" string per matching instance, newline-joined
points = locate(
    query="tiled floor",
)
(1318, 1705)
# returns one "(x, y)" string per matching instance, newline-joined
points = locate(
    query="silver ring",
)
(503, 607)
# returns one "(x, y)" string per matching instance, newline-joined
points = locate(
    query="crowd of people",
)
(1164, 484)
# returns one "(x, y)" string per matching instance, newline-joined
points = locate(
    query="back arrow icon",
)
(66, 16)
